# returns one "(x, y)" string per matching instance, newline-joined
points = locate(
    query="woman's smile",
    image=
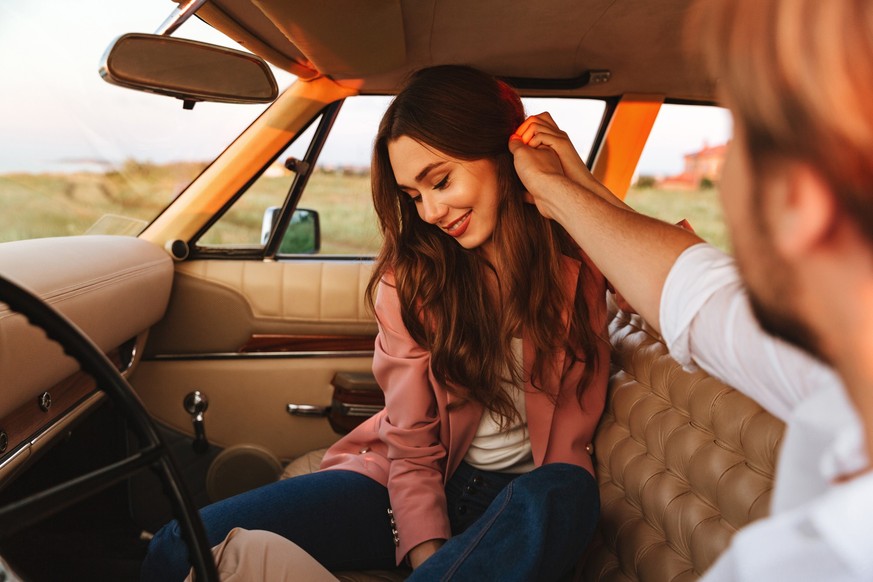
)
(458, 227)
(448, 192)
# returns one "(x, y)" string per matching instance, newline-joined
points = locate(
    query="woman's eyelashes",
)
(442, 184)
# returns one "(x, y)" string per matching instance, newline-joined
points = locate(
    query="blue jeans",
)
(543, 519)
(536, 528)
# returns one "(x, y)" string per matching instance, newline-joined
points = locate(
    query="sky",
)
(56, 113)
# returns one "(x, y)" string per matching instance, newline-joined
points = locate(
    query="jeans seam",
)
(450, 572)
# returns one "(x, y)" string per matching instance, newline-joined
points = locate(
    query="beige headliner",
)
(373, 44)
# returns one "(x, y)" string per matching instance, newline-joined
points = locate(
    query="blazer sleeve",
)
(410, 429)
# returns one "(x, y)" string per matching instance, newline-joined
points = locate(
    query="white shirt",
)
(507, 450)
(817, 530)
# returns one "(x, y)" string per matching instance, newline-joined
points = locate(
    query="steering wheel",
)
(153, 452)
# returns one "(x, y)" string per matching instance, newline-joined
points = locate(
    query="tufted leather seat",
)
(682, 460)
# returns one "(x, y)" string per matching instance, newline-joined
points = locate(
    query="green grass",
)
(38, 205)
(348, 221)
(700, 207)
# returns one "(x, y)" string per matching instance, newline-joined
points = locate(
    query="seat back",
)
(682, 460)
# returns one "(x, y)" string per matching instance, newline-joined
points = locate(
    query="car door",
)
(263, 331)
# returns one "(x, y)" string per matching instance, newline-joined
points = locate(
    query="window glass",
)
(339, 188)
(80, 155)
(679, 170)
(243, 225)
(580, 118)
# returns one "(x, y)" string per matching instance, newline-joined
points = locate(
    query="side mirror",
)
(303, 235)
(188, 70)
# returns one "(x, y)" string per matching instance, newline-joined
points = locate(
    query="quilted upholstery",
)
(682, 460)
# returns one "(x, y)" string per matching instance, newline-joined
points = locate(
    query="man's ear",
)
(802, 211)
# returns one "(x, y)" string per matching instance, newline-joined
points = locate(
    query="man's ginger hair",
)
(798, 76)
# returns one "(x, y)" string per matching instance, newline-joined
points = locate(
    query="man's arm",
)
(634, 252)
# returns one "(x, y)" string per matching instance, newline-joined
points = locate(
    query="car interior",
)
(243, 359)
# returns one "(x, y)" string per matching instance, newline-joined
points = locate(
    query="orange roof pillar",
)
(625, 138)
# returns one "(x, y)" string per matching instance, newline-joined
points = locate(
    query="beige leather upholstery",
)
(112, 287)
(682, 460)
(301, 297)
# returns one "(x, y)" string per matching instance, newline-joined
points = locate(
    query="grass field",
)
(39, 205)
(700, 207)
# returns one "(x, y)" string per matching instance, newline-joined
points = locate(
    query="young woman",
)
(492, 355)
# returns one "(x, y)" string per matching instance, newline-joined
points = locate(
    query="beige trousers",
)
(256, 555)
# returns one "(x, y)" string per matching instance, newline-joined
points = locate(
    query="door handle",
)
(308, 410)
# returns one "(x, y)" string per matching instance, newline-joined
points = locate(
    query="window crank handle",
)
(196, 404)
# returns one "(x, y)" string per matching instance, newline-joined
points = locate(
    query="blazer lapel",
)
(539, 406)
(463, 423)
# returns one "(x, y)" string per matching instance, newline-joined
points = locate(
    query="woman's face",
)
(458, 196)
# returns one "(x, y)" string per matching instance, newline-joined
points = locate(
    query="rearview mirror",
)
(188, 70)
(303, 235)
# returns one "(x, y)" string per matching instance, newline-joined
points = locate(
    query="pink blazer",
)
(415, 443)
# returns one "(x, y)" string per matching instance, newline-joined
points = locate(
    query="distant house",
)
(700, 167)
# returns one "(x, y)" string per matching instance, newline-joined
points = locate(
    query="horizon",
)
(58, 112)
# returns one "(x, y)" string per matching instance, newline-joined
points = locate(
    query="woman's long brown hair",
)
(445, 303)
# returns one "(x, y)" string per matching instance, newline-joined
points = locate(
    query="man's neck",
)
(851, 350)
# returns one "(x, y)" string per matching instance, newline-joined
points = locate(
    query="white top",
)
(507, 451)
(818, 530)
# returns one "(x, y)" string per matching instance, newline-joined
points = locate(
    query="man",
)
(797, 193)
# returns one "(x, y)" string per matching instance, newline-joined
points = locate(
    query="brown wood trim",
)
(28, 420)
(308, 343)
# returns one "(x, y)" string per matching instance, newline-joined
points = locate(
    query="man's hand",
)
(634, 252)
(545, 160)
(537, 168)
(541, 130)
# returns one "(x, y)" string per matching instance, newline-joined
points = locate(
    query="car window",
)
(680, 167)
(79, 155)
(339, 186)
(243, 224)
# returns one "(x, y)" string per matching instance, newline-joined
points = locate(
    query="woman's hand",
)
(423, 551)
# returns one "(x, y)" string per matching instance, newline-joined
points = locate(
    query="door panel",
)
(255, 337)
(248, 398)
(217, 306)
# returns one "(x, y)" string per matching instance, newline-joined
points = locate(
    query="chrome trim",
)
(14, 454)
(310, 410)
(82, 406)
(128, 366)
(261, 355)
(366, 410)
(178, 16)
(35, 443)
